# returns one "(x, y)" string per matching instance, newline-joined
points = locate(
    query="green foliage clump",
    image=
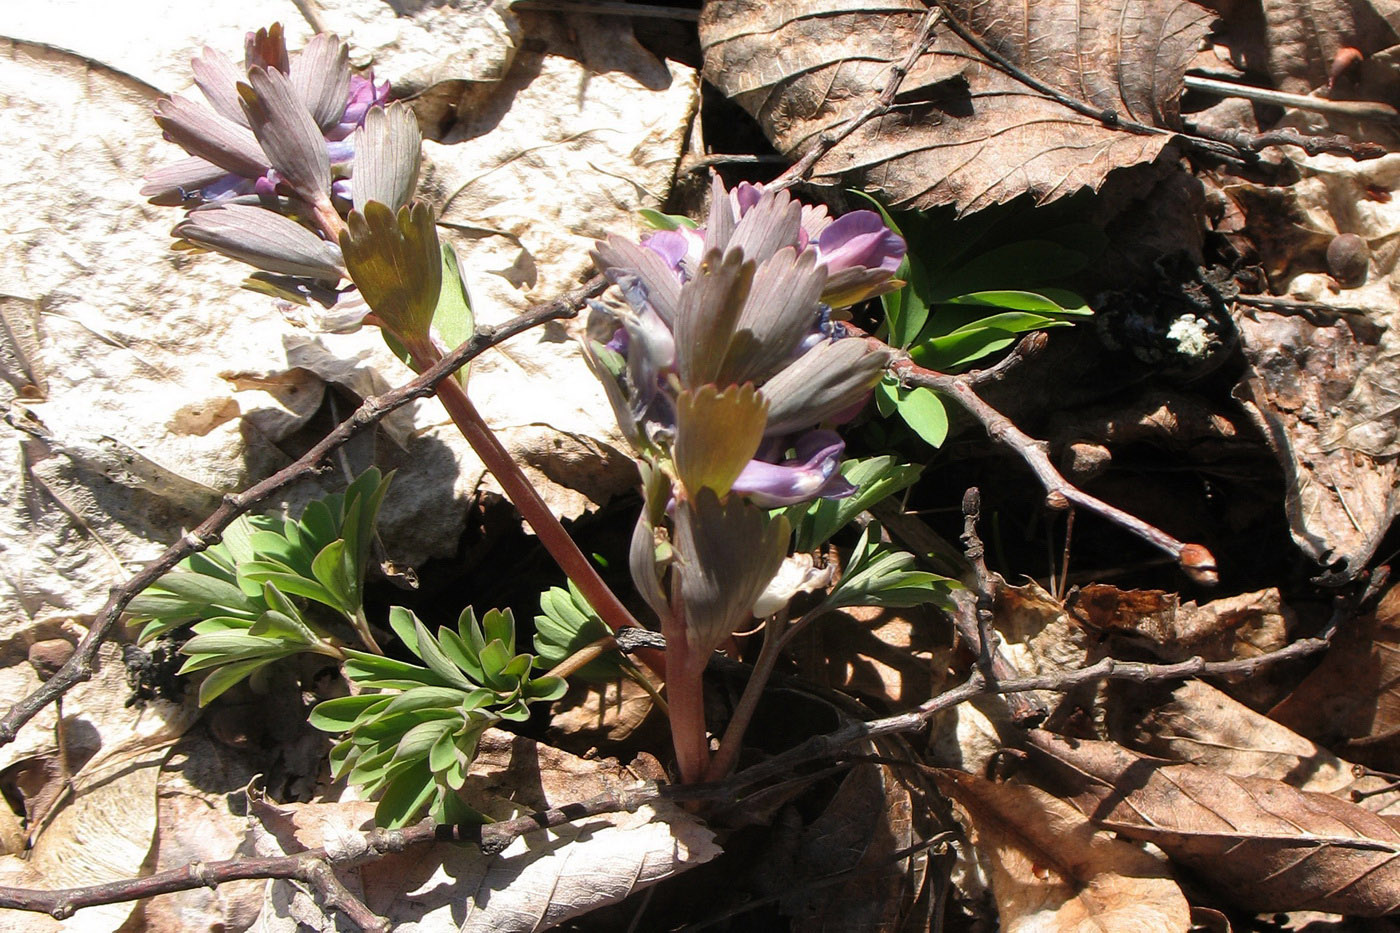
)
(412, 730)
(252, 598)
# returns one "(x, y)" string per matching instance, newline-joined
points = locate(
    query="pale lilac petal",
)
(266, 48)
(287, 133)
(814, 473)
(320, 76)
(217, 76)
(860, 239)
(386, 157)
(202, 132)
(263, 239)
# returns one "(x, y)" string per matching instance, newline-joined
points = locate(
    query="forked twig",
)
(80, 666)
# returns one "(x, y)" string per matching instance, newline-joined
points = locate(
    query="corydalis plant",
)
(725, 375)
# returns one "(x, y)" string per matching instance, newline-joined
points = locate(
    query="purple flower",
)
(299, 169)
(814, 472)
(860, 253)
(230, 132)
(859, 240)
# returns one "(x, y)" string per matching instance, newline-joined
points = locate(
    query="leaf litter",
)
(1262, 793)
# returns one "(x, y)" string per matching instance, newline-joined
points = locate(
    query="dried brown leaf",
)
(1264, 845)
(1053, 871)
(1201, 725)
(868, 821)
(963, 132)
(1351, 701)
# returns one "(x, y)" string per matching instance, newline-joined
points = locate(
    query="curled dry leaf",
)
(1350, 702)
(1264, 845)
(1320, 387)
(857, 838)
(1053, 870)
(964, 132)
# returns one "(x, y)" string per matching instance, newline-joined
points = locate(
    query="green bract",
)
(247, 596)
(413, 730)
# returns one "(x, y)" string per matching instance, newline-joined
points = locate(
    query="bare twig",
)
(974, 614)
(880, 105)
(315, 867)
(80, 666)
(1358, 109)
(1196, 560)
(1028, 347)
(825, 746)
(985, 598)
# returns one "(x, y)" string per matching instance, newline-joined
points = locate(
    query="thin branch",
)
(878, 106)
(80, 666)
(1195, 559)
(1357, 109)
(315, 867)
(825, 746)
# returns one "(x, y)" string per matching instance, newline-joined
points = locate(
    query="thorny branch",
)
(80, 666)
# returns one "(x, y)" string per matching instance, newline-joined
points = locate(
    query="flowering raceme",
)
(725, 374)
(282, 152)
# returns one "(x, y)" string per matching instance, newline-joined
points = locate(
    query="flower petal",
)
(202, 132)
(649, 554)
(814, 473)
(725, 556)
(826, 379)
(174, 184)
(796, 575)
(617, 254)
(651, 349)
(717, 434)
(217, 76)
(266, 48)
(709, 310)
(770, 225)
(860, 239)
(386, 157)
(783, 309)
(263, 239)
(287, 133)
(320, 75)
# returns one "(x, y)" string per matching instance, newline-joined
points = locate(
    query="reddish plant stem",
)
(527, 501)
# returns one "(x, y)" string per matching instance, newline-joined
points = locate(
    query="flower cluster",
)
(283, 151)
(726, 373)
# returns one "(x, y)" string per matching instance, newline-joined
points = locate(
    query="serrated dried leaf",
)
(1053, 871)
(965, 132)
(1264, 845)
